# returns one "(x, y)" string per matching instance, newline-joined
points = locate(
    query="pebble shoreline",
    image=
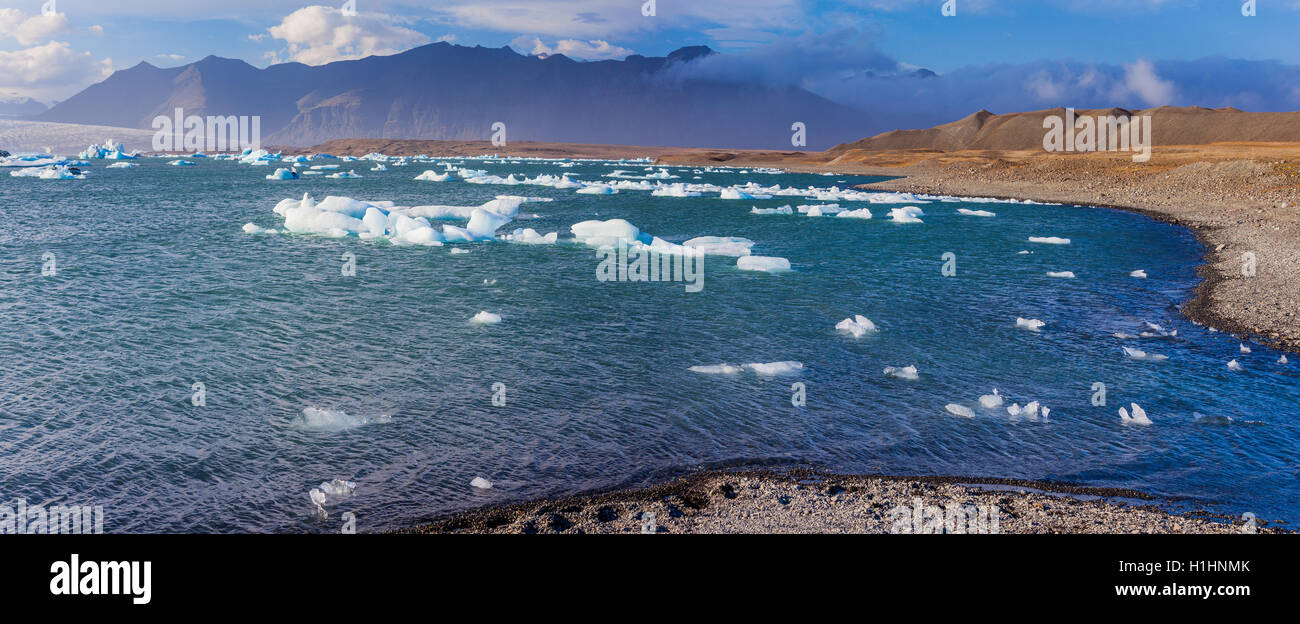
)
(809, 501)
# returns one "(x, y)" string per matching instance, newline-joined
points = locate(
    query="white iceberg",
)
(858, 326)
(959, 410)
(762, 263)
(1049, 240)
(1143, 356)
(486, 318)
(902, 372)
(774, 368)
(1138, 417)
(1029, 324)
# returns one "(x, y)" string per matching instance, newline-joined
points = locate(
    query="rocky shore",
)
(808, 501)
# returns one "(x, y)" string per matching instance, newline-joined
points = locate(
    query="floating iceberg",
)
(721, 245)
(1064, 274)
(959, 410)
(1243, 347)
(316, 419)
(860, 213)
(252, 228)
(1143, 356)
(674, 190)
(906, 214)
(774, 368)
(762, 263)
(529, 236)
(1049, 240)
(121, 165)
(284, 174)
(976, 213)
(55, 172)
(433, 176)
(341, 216)
(785, 210)
(1235, 366)
(1140, 274)
(858, 326)
(991, 401)
(597, 189)
(347, 175)
(717, 369)
(486, 318)
(1029, 324)
(903, 372)
(1139, 416)
(480, 483)
(181, 163)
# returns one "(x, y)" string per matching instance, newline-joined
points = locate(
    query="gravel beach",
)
(807, 501)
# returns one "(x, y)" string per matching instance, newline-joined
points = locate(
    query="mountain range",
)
(451, 92)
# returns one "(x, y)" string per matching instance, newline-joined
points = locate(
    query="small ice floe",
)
(766, 264)
(379, 167)
(1143, 356)
(1282, 360)
(597, 189)
(1023, 252)
(181, 163)
(1140, 274)
(959, 410)
(1235, 366)
(975, 213)
(486, 318)
(1156, 331)
(1029, 324)
(480, 483)
(783, 210)
(716, 369)
(529, 236)
(284, 174)
(1139, 416)
(317, 419)
(489, 282)
(860, 213)
(253, 228)
(459, 250)
(1049, 240)
(1028, 412)
(433, 176)
(906, 214)
(991, 401)
(1064, 274)
(1201, 419)
(346, 175)
(121, 165)
(329, 493)
(858, 326)
(774, 368)
(1243, 347)
(1124, 336)
(902, 372)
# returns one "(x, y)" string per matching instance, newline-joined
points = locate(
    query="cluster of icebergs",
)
(342, 216)
(1032, 411)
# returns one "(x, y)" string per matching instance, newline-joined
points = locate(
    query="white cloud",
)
(1141, 80)
(317, 35)
(595, 49)
(96, 30)
(50, 71)
(31, 30)
(447, 38)
(604, 19)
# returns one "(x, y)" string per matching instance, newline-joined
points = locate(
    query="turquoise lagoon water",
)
(157, 288)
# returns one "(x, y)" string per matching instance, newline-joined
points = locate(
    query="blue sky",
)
(52, 57)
